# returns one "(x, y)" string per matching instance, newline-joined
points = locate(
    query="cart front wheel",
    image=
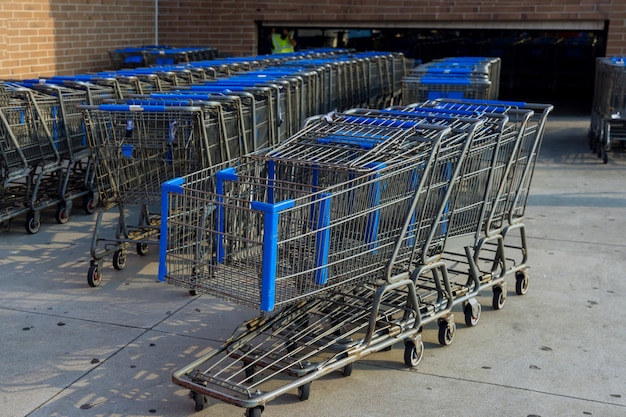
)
(499, 297)
(33, 223)
(200, 400)
(142, 248)
(304, 391)
(521, 282)
(347, 370)
(89, 203)
(254, 412)
(413, 353)
(119, 259)
(62, 214)
(446, 332)
(472, 314)
(94, 276)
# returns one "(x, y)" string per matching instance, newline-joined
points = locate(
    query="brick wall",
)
(48, 37)
(45, 37)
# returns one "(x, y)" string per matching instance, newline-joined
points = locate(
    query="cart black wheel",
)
(94, 276)
(193, 292)
(347, 370)
(89, 203)
(119, 259)
(446, 333)
(32, 224)
(471, 316)
(521, 282)
(142, 248)
(304, 391)
(499, 297)
(199, 400)
(413, 353)
(249, 370)
(605, 156)
(254, 412)
(62, 214)
(5, 225)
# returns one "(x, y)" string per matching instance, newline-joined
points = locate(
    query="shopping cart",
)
(460, 78)
(354, 218)
(608, 125)
(505, 242)
(134, 149)
(65, 122)
(30, 160)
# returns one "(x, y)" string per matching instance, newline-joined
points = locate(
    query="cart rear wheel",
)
(304, 391)
(94, 276)
(521, 282)
(32, 224)
(193, 292)
(347, 370)
(62, 214)
(499, 297)
(119, 259)
(413, 353)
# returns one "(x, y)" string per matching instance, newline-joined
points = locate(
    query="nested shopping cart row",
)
(133, 139)
(45, 158)
(608, 124)
(458, 77)
(351, 230)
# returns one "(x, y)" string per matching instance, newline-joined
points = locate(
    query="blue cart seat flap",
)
(446, 80)
(127, 151)
(433, 95)
(375, 121)
(361, 142)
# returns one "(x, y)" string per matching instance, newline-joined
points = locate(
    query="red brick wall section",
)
(58, 37)
(44, 37)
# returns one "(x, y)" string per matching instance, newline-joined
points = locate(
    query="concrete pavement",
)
(72, 350)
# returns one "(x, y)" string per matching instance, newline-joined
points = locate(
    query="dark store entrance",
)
(555, 66)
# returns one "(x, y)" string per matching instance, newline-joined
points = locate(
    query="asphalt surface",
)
(72, 350)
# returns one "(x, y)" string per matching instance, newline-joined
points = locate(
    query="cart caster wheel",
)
(605, 156)
(5, 225)
(89, 204)
(413, 353)
(142, 248)
(499, 297)
(193, 292)
(521, 282)
(304, 391)
(33, 223)
(472, 313)
(447, 329)
(347, 370)
(119, 259)
(254, 412)
(200, 400)
(94, 276)
(249, 370)
(62, 214)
